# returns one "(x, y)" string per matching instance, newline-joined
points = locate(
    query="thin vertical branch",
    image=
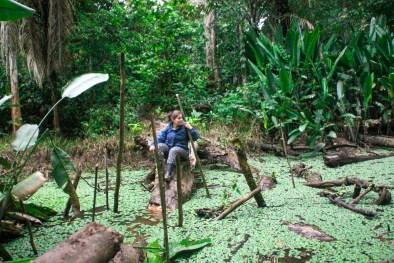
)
(95, 192)
(285, 153)
(193, 148)
(160, 172)
(33, 245)
(121, 132)
(179, 175)
(106, 177)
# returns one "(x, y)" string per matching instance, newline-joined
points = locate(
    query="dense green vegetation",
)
(312, 79)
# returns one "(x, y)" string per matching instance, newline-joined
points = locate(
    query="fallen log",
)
(341, 158)
(340, 202)
(171, 188)
(347, 181)
(94, 243)
(385, 141)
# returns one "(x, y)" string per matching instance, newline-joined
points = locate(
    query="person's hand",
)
(188, 126)
(152, 148)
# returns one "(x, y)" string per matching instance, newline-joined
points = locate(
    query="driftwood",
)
(93, 243)
(340, 202)
(171, 188)
(301, 170)
(243, 163)
(382, 190)
(264, 183)
(379, 140)
(342, 158)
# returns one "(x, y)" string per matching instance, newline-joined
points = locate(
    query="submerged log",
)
(342, 158)
(171, 188)
(93, 243)
(385, 141)
(340, 202)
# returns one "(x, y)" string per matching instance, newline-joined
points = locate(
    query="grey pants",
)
(172, 153)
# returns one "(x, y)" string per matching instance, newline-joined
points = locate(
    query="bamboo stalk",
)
(179, 174)
(160, 172)
(95, 192)
(121, 132)
(193, 148)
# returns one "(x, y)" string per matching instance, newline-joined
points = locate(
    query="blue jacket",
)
(176, 137)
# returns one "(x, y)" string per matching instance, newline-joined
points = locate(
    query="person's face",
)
(178, 120)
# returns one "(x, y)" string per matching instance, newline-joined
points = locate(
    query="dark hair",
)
(172, 115)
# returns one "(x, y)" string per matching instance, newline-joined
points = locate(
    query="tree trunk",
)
(242, 57)
(283, 11)
(243, 163)
(56, 119)
(16, 114)
(171, 188)
(93, 243)
(210, 48)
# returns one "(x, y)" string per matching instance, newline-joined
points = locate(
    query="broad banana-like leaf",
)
(26, 136)
(368, 85)
(336, 63)
(311, 42)
(186, 245)
(62, 167)
(11, 10)
(286, 82)
(26, 188)
(62, 170)
(83, 83)
(4, 99)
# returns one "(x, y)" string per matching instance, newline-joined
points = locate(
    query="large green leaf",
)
(286, 82)
(83, 83)
(62, 167)
(368, 85)
(311, 42)
(26, 136)
(41, 212)
(186, 245)
(12, 10)
(332, 70)
(4, 99)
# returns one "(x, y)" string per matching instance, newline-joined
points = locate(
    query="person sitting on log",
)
(173, 141)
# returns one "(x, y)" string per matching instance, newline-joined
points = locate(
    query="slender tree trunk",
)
(283, 11)
(16, 114)
(56, 119)
(210, 47)
(121, 132)
(242, 57)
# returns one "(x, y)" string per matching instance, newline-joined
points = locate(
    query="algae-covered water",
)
(249, 234)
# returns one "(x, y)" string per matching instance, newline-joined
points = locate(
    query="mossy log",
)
(342, 158)
(187, 180)
(93, 243)
(385, 141)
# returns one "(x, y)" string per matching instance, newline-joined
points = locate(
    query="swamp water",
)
(249, 234)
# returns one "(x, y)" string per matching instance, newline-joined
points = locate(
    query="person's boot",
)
(168, 175)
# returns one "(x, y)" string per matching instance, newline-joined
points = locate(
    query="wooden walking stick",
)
(193, 148)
